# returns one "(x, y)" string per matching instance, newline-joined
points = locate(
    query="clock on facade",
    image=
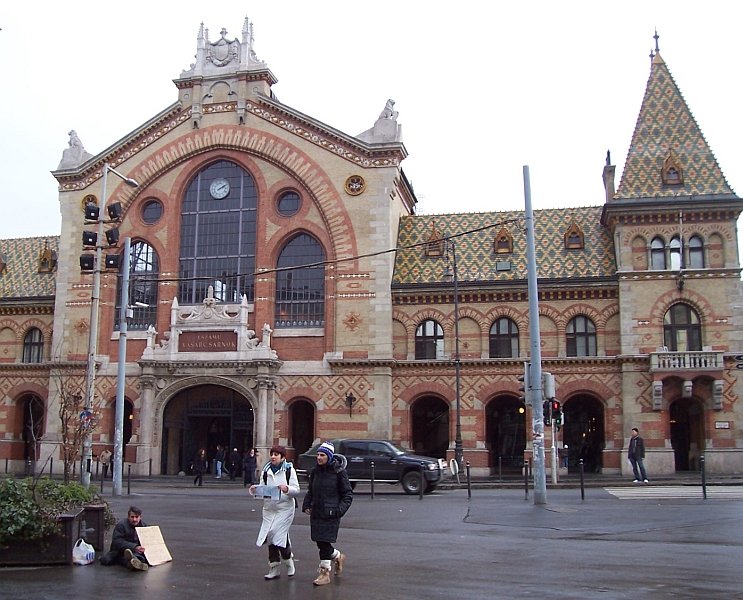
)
(219, 188)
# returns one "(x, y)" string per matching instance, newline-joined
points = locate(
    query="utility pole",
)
(535, 392)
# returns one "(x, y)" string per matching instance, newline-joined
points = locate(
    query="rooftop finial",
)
(656, 36)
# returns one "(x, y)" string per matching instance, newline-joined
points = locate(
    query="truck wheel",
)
(411, 482)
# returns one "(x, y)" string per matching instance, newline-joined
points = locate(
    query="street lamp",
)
(458, 450)
(114, 212)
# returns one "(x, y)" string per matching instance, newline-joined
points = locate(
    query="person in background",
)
(199, 467)
(250, 462)
(218, 461)
(328, 497)
(278, 513)
(636, 455)
(105, 460)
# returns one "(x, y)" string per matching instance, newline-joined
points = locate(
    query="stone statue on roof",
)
(385, 127)
(75, 154)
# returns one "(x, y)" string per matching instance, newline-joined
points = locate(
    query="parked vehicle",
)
(392, 464)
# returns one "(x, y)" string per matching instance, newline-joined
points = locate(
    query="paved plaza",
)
(620, 542)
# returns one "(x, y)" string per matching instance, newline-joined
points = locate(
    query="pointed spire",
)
(666, 127)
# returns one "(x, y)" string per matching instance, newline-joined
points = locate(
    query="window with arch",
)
(657, 254)
(682, 331)
(300, 283)
(218, 225)
(33, 346)
(675, 248)
(429, 340)
(504, 339)
(581, 337)
(144, 270)
(696, 252)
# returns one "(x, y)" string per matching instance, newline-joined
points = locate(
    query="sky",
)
(482, 88)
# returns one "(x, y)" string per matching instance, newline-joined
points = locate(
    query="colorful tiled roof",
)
(21, 277)
(476, 257)
(666, 124)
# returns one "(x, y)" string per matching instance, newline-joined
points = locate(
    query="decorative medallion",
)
(352, 321)
(355, 185)
(88, 199)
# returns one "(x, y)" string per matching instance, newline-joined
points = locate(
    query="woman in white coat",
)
(278, 513)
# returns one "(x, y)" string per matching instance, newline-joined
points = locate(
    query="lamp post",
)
(121, 371)
(458, 449)
(93, 333)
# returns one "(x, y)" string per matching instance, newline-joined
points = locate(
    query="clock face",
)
(219, 188)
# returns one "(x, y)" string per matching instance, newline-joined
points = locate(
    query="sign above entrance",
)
(207, 341)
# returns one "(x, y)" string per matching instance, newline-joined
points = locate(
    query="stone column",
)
(147, 420)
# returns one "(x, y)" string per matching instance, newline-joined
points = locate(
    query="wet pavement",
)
(496, 544)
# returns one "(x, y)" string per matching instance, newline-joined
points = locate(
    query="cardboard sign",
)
(154, 546)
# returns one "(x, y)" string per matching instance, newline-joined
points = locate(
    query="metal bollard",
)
(469, 482)
(582, 488)
(704, 476)
(422, 485)
(372, 480)
(128, 480)
(526, 480)
(150, 467)
(51, 465)
(102, 482)
(500, 469)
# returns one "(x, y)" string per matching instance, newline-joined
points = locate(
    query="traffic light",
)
(557, 413)
(524, 384)
(547, 412)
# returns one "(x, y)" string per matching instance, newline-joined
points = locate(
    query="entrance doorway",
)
(505, 433)
(33, 426)
(430, 426)
(583, 432)
(302, 423)
(687, 433)
(202, 417)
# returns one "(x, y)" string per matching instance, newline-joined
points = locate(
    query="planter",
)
(52, 550)
(93, 525)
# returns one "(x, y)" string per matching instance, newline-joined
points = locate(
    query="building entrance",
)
(202, 417)
(430, 426)
(506, 434)
(687, 433)
(583, 433)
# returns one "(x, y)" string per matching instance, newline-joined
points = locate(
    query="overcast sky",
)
(482, 88)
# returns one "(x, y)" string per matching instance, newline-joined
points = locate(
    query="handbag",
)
(83, 553)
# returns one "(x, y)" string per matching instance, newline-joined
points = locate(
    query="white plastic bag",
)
(83, 553)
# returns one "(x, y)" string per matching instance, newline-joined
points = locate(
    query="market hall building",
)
(267, 306)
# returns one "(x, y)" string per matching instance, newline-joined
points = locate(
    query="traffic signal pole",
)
(534, 392)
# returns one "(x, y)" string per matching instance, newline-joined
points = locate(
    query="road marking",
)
(643, 492)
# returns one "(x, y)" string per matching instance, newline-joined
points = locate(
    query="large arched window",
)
(696, 252)
(657, 254)
(300, 288)
(681, 329)
(675, 252)
(581, 337)
(143, 274)
(33, 346)
(218, 222)
(429, 340)
(504, 339)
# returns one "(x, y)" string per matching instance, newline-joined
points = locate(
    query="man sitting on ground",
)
(125, 547)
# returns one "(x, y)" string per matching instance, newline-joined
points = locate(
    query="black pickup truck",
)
(392, 464)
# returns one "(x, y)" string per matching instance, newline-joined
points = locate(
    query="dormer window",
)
(503, 242)
(672, 173)
(47, 260)
(3, 263)
(435, 243)
(574, 238)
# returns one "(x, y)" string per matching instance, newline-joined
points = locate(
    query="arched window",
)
(504, 339)
(218, 224)
(429, 340)
(657, 254)
(300, 290)
(143, 274)
(696, 252)
(581, 337)
(681, 329)
(33, 346)
(675, 251)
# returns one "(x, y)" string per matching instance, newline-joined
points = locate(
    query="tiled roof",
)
(477, 261)
(665, 124)
(21, 277)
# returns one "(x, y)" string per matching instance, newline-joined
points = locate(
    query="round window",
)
(288, 204)
(152, 210)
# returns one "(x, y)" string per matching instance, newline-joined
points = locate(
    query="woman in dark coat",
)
(199, 467)
(328, 497)
(250, 463)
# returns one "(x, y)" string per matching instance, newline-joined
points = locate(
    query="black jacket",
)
(329, 495)
(636, 448)
(125, 536)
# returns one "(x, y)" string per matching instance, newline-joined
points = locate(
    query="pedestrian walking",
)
(329, 496)
(105, 460)
(235, 461)
(249, 465)
(218, 462)
(278, 512)
(636, 455)
(199, 467)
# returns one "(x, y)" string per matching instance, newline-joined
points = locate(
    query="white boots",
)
(274, 571)
(289, 564)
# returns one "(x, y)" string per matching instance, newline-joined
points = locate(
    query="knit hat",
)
(327, 449)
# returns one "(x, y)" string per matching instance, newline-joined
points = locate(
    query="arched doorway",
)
(687, 433)
(302, 424)
(505, 433)
(202, 417)
(33, 425)
(583, 432)
(430, 426)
